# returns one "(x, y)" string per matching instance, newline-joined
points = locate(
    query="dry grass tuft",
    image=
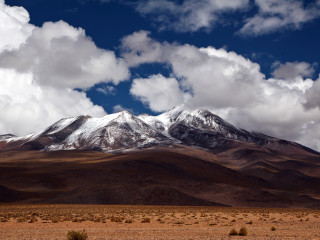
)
(146, 220)
(233, 232)
(77, 235)
(243, 231)
(55, 220)
(116, 219)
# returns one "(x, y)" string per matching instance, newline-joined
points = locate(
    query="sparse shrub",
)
(146, 220)
(273, 228)
(233, 232)
(243, 231)
(179, 222)
(116, 219)
(77, 235)
(20, 220)
(55, 220)
(32, 220)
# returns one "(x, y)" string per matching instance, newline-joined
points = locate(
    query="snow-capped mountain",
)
(124, 131)
(201, 128)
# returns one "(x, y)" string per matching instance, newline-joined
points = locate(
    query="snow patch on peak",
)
(22, 138)
(6, 136)
(123, 130)
(58, 126)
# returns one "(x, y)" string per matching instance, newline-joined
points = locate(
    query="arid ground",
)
(52, 222)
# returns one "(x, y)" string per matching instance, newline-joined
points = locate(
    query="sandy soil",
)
(52, 222)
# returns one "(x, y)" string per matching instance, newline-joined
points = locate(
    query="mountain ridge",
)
(123, 131)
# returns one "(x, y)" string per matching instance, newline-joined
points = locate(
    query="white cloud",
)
(291, 70)
(207, 72)
(275, 15)
(229, 85)
(313, 96)
(139, 48)
(158, 92)
(195, 15)
(119, 108)
(40, 67)
(107, 90)
(14, 25)
(27, 107)
(62, 56)
(190, 15)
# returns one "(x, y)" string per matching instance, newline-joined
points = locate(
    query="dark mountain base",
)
(165, 176)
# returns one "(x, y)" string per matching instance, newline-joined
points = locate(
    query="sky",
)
(255, 63)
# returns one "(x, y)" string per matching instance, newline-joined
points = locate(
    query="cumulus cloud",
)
(41, 66)
(229, 85)
(27, 107)
(313, 97)
(207, 71)
(291, 70)
(275, 15)
(63, 56)
(158, 92)
(14, 26)
(138, 48)
(190, 15)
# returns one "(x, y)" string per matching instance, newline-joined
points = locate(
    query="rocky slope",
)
(160, 176)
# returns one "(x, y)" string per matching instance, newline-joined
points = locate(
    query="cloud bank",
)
(291, 70)
(195, 15)
(229, 85)
(190, 15)
(274, 15)
(41, 66)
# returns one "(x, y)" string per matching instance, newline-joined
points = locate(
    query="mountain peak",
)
(126, 114)
(123, 131)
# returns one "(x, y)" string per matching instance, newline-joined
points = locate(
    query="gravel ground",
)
(52, 222)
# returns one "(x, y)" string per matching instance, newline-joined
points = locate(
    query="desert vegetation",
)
(77, 235)
(157, 222)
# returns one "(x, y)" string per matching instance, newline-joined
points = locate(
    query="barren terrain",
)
(178, 176)
(52, 222)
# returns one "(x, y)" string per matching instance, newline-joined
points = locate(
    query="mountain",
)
(180, 157)
(123, 131)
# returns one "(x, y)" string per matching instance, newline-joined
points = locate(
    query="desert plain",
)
(180, 193)
(52, 222)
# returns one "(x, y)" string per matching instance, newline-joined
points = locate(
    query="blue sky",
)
(255, 63)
